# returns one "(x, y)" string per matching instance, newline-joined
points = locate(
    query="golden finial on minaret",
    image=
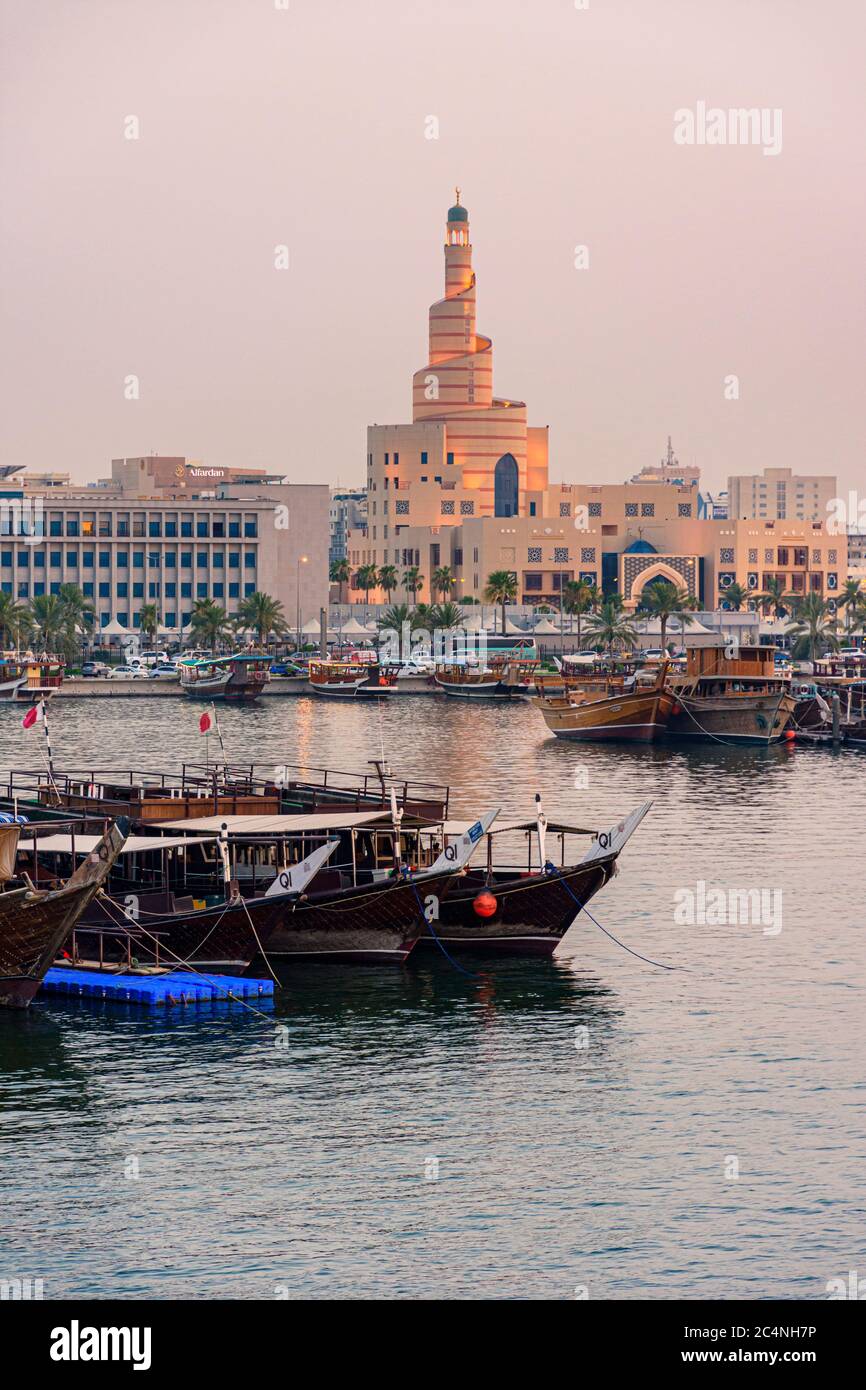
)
(457, 199)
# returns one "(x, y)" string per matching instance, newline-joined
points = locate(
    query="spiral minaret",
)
(456, 385)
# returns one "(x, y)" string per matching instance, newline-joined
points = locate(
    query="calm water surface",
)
(305, 1169)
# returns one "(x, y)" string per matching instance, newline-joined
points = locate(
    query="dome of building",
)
(458, 214)
(640, 548)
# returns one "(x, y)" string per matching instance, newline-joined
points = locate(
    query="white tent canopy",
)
(546, 628)
(354, 629)
(114, 629)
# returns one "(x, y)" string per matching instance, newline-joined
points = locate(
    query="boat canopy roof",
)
(555, 827)
(135, 844)
(224, 660)
(279, 825)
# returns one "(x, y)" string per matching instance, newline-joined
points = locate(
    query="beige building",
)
(778, 494)
(167, 531)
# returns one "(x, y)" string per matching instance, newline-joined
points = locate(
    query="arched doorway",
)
(506, 486)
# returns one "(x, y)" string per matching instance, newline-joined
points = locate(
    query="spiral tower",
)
(486, 435)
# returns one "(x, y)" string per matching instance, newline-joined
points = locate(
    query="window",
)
(201, 560)
(123, 524)
(153, 590)
(153, 560)
(202, 527)
(86, 589)
(250, 560)
(218, 590)
(186, 592)
(72, 526)
(234, 529)
(506, 483)
(594, 509)
(396, 460)
(201, 590)
(55, 559)
(251, 525)
(186, 525)
(170, 558)
(532, 581)
(38, 589)
(234, 591)
(218, 527)
(218, 560)
(105, 559)
(171, 528)
(6, 559)
(123, 590)
(39, 559)
(105, 523)
(138, 524)
(249, 589)
(631, 508)
(123, 559)
(105, 590)
(154, 528)
(186, 559)
(72, 557)
(170, 590)
(449, 459)
(423, 458)
(123, 617)
(138, 559)
(647, 508)
(138, 590)
(87, 559)
(23, 559)
(23, 590)
(783, 555)
(234, 559)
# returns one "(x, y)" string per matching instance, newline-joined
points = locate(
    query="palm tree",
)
(610, 627)
(367, 577)
(148, 620)
(812, 627)
(264, 615)
(577, 599)
(208, 621)
(340, 573)
(50, 615)
(413, 580)
(501, 588)
(445, 615)
(851, 600)
(442, 581)
(772, 597)
(15, 620)
(388, 580)
(735, 596)
(665, 601)
(393, 618)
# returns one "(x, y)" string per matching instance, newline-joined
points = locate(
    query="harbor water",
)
(587, 1126)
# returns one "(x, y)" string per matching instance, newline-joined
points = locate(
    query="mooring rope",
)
(471, 974)
(551, 869)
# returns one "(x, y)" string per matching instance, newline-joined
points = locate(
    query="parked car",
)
(128, 673)
(94, 668)
(166, 670)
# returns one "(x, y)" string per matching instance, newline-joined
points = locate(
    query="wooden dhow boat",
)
(731, 693)
(351, 680)
(608, 706)
(34, 923)
(500, 678)
(525, 910)
(236, 679)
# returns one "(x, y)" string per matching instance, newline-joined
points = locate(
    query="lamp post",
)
(302, 560)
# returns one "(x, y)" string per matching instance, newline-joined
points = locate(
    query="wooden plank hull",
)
(34, 924)
(738, 718)
(633, 718)
(220, 939)
(378, 923)
(532, 915)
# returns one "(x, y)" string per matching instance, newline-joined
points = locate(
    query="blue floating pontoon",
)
(177, 987)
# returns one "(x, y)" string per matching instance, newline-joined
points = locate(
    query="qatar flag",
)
(204, 723)
(33, 716)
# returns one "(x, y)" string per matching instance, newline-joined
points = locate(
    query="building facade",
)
(168, 532)
(778, 494)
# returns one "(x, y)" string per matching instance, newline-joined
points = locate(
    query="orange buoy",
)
(790, 735)
(484, 904)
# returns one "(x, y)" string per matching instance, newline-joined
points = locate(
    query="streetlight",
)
(302, 560)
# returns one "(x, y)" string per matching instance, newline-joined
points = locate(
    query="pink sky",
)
(261, 127)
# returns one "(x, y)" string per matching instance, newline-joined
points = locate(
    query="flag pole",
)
(220, 737)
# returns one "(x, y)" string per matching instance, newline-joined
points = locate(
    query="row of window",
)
(156, 559)
(795, 583)
(63, 524)
(122, 590)
(781, 556)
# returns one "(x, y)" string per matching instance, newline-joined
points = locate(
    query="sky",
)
(720, 298)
